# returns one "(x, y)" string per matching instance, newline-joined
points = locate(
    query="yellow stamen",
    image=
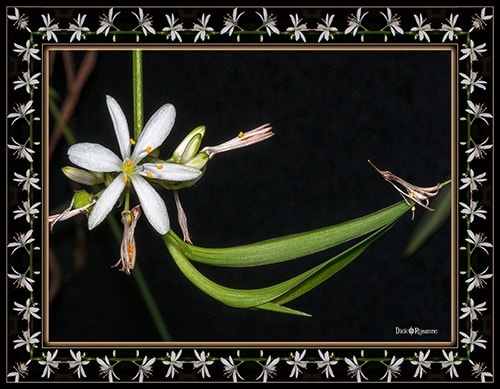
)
(132, 142)
(240, 134)
(130, 250)
(150, 175)
(159, 166)
(128, 163)
(125, 179)
(148, 149)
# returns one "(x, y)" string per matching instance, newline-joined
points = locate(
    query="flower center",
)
(128, 168)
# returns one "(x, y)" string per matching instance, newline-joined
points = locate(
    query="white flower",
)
(27, 51)
(145, 369)
(478, 280)
(472, 310)
(27, 310)
(421, 28)
(450, 28)
(478, 240)
(173, 363)
(472, 81)
(478, 151)
(479, 370)
(20, 21)
(326, 29)
(297, 28)
(393, 22)
(21, 150)
(20, 371)
(231, 21)
(49, 363)
(28, 181)
(78, 29)
(77, 363)
(393, 369)
(354, 369)
(95, 157)
(326, 364)
(145, 22)
(202, 28)
(421, 363)
(472, 180)
(22, 280)
(268, 369)
(28, 210)
(473, 51)
(472, 210)
(106, 369)
(27, 340)
(472, 340)
(479, 21)
(49, 28)
(478, 111)
(173, 29)
(106, 22)
(28, 81)
(297, 363)
(21, 112)
(231, 369)
(21, 241)
(450, 363)
(202, 363)
(269, 22)
(354, 22)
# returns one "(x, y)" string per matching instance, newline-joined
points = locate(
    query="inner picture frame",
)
(255, 355)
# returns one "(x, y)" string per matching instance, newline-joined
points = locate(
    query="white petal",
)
(120, 125)
(152, 204)
(95, 157)
(170, 171)
(106, 201)
(155, 131)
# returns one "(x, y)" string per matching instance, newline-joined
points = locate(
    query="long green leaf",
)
(293, 246)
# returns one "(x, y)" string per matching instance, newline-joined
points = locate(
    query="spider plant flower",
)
(133, 168)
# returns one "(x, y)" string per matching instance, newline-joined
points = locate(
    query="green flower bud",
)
(189, 146)
(199, 161)
(81, 199)
(83, 176)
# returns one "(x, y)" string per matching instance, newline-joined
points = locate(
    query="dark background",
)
(331, 112)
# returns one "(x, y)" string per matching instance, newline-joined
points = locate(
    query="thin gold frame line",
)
(452, 48)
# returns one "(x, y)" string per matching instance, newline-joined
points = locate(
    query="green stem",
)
(138, 96)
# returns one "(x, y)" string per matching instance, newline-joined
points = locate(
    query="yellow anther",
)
(128, 163)
(125, 179)
(159, 166)
(148, 149)
(240, 134)
(150, 175)
(130, 250)
(132, 142)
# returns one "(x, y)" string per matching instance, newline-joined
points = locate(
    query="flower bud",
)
(83, 176)
(189, 146)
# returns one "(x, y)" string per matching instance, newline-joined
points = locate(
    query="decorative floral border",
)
(469, 28)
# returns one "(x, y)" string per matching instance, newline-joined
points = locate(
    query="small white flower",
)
(268, 369)
(106, 22)
(479, 21)
(478, 280)
(478, 240)
(145, 369)
(472, 340)
(326, 364)
(49, 29)
(479, 370)
(450, 28)
(21, 150)
(21, 241)
(27, 310)
(297, 28)
(327, 30)
(354, 22)
(28, 211)
(20, 21)
(450, 364)
(471, 211)
(27, 51)
(268, 22)
(78, 363)
(173, 28)
(27, 180)
(49, 364)
(78, 28)
(21, 280)
(472, 81)
(297, 363)
(478, 111)
(231, 369)
(422, 363)
(28, 81)
(473, 51)
(95, 157)
(472, 310)
(202, 363)
(106, 368)
(21, 111)
(472, 180)
(202, 28)
(421, 28)
(20, 371)
(478, 151)
(231, 22)
(354, 369)
(393, 369)
(145, 22)
(393, 22)
(173, 364)
(27, 340)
